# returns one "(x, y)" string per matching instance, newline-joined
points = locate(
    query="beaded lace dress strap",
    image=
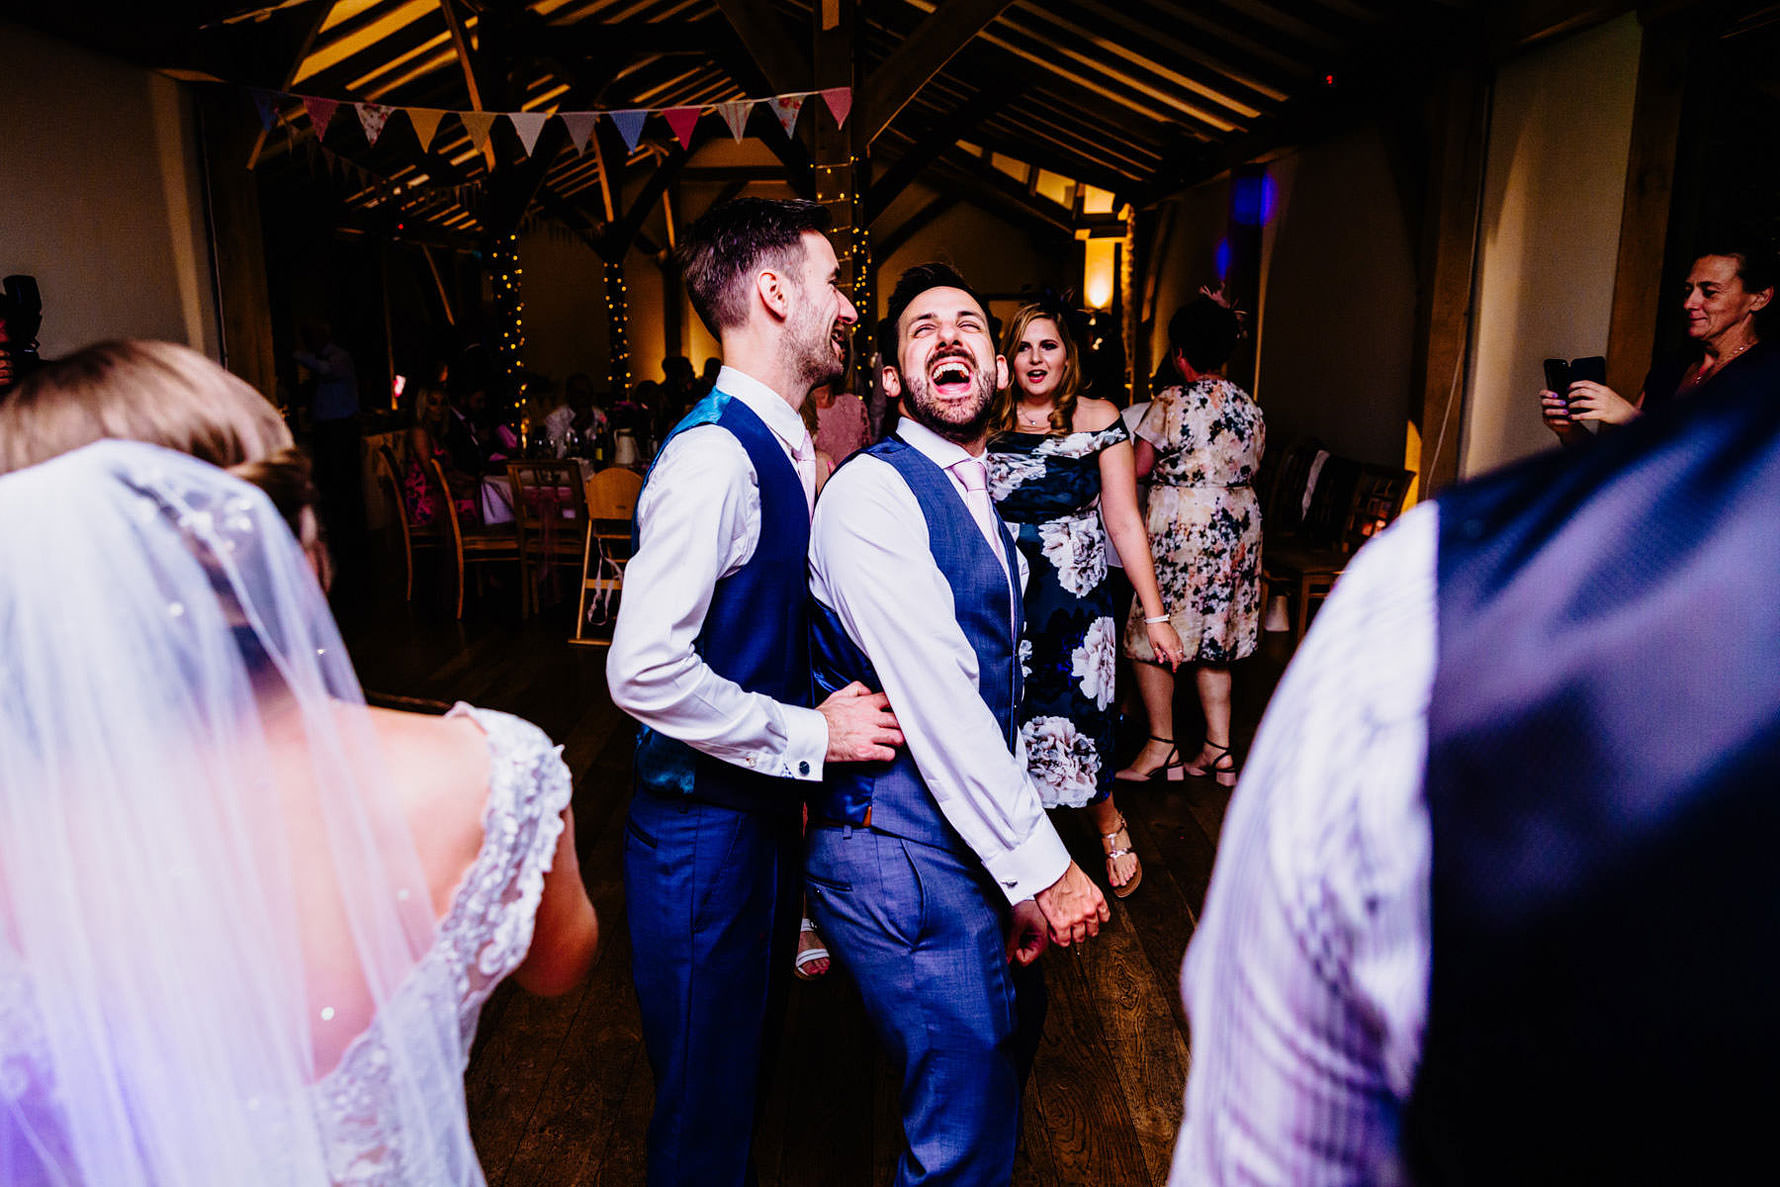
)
(491, 918)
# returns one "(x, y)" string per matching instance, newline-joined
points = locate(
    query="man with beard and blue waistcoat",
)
(711, 655)
(936, 877)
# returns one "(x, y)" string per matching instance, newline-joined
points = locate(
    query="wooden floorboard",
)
(559, 1089)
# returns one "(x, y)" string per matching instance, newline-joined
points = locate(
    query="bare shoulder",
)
(1093, 415)
(439, 769)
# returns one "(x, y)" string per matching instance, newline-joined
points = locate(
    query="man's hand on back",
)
(861, 727)
(1073, 906)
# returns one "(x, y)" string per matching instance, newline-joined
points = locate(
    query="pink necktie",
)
(975, 477)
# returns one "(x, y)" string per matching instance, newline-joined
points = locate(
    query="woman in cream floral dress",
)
(1056, 464)
(1200, 444)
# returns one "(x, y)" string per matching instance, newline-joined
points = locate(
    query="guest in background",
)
(463, 433)
(244, 838)
(336, 442)
(842, 428)
(679, 389)
(579, 417)
(1726, 297)
(707, 379)
(1200, 444)
(1057, 463)
(426, 440)
(825, 462)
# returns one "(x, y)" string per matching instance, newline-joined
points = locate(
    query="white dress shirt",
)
(700, 517)
(872, 564)
(1307, 980)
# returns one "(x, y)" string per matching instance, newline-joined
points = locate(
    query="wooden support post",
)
(238, 248)
(836, 153)
(1459, 117)
(1649, 186)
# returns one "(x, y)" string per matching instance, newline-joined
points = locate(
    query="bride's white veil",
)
(207, 887)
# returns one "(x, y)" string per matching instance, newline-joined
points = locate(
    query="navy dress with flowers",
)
(1047, 488)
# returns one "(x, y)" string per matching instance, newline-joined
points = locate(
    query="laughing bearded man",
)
(937, 877)
(711, 655)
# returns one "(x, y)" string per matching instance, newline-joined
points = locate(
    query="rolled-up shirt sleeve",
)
(700, 522)
(871, 563)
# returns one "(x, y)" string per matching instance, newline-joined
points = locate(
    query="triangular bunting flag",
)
(736, 116)
(268, 108)
(425, 121)
(320, 112)
(373, 116)
(528, 124)
(683, 120)
(786, 108)
(477, 124)
(840, 102)
(629, 125)
(580, 126)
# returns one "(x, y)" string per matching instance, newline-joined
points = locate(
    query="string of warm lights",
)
(618, 318)
(508, 302)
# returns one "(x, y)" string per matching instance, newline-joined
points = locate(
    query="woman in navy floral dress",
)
(1057, 464)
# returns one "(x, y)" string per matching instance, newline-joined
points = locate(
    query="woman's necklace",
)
(1709, 368)
(1035, 420)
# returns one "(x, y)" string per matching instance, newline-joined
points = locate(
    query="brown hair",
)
(730, 243)
(1003, 417)
(165, 395)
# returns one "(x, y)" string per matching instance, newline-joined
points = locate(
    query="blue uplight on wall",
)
(1221, 257)
(1253, 200)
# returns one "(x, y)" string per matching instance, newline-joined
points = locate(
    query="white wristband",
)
(1155, 621)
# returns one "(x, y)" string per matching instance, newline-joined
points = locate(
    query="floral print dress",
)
(1204, 521)
(1047, 488)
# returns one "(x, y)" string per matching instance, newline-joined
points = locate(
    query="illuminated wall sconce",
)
(1098, 270)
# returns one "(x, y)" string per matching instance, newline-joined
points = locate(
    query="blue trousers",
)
(711, 896)
(921, 929)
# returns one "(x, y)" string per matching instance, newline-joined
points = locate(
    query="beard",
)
(810, 349)
(960, 423)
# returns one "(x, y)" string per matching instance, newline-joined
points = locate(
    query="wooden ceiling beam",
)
(940, 135)
(259, 143)
(770, 43)
(913, 225)
(899, 78)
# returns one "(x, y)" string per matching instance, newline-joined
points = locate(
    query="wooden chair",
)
(1306, 569)
(611, 506)
(550, 509)
(474, 545)
(388, 477)
(1281, 483)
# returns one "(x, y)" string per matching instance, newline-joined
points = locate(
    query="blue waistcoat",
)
(756, 631)
(1603, 785)
(991, 614)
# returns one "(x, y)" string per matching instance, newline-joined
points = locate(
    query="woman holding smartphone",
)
(1725, 295)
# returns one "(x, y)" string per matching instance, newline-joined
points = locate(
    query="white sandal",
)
(809, 956)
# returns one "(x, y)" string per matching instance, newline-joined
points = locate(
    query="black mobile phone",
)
(1593, 369)
(1557, 375)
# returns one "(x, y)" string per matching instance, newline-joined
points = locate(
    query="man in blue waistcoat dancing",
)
(711, 655)
(931, 874)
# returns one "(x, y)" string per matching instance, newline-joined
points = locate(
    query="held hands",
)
(1166, 644)
(1073, 906)
(1596, 401)
(861, 727)
(1027, 933)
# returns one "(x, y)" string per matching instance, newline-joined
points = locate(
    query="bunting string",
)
(682, 121)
